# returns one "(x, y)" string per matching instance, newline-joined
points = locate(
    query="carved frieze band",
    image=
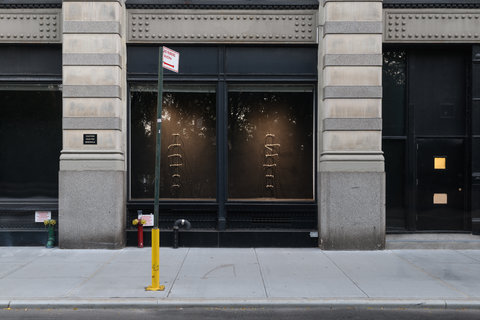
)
(431, 25)
(30, 25)
(145, 26)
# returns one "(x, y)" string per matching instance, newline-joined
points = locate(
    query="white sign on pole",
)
(171, 59)
(41, 216)
(148, 219)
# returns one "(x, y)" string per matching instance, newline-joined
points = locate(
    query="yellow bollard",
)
(155, 262)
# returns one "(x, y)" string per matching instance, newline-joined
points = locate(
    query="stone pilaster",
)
(92, 175)
(351, 164)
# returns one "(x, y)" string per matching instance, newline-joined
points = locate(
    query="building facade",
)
(290, 123)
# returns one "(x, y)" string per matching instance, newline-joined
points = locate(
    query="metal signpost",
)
(168, 59)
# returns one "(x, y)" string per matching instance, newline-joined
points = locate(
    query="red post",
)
(140, 235)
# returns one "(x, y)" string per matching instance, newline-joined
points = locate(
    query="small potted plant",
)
(139, 223)
(50, 223)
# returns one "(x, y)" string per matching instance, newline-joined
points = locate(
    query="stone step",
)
(432, 241)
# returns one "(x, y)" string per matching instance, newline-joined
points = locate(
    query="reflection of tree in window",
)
(394, 66)
(394, 91)
(189, 119)
(257, 118)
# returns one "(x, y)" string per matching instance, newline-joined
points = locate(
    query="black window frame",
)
(216, 212)
(15, 71)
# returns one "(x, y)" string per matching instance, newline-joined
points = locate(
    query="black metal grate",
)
(22, 219)
(198, 219)
(272, 220)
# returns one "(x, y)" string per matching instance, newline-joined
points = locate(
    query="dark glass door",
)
(438, 103)
(440, 184)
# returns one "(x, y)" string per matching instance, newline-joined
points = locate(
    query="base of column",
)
(91, 209)
(352, 210)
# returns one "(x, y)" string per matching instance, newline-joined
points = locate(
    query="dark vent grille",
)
(22, 219)
(271, 220)
(166, 219)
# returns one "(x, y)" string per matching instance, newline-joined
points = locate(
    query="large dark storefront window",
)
(270, 144)
(188, 144)
(238, 137)
(30, 136)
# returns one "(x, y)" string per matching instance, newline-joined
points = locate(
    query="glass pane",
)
(394, 66)
(394, 151)
(270, 145)
(188, 145)
(31, 140)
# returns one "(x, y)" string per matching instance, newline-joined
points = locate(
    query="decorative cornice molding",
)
(395, 4)
(223, 5)
(431, 25)
(30, 26)
(325, 1)
(195, 26)
(30, 4)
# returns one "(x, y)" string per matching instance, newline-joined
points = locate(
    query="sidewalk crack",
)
(22, 265)
(466, 255)
(261, 273)
(16, 269)
(178, 273)
(448, 285)
(346, 275)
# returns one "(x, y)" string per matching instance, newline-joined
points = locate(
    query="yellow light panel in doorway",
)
(440, 163)
(440, 198)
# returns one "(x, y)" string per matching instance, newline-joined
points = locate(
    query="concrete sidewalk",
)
(39, 277)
